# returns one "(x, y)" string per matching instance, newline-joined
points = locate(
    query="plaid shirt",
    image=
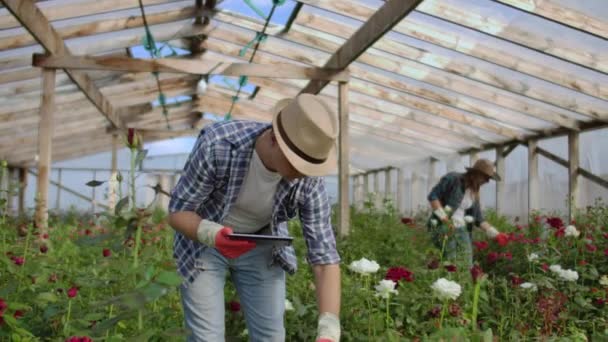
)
(210, 184)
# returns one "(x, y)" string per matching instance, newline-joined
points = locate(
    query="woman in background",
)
(455, 205)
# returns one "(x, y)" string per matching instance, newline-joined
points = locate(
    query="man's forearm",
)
(327, 283)
(186, 223)
(435, 204)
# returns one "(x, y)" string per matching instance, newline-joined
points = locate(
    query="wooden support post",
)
(533, 186)
(388, 193)
(45, 133)
(376, 182)
(343, 162)
(365, 186)
(500, 186)
(432, 173)
(473, 157)
(400, 191)
(22, 188)
(10, 178)
(113, 183)
(573, 164)
(94, 200)
(58, 197)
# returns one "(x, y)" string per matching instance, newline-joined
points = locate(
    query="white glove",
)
(491, 232)
(328, 327)
(206, 232)
(458, 221)
(440, 213)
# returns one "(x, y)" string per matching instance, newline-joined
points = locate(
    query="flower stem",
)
(445, 239)
(66, 327)
(132, 177)
(444, 308)
(475, 305)
(387, 313)
(137, 243)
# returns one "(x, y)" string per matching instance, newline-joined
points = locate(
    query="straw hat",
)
(486, 167)
(306, 130)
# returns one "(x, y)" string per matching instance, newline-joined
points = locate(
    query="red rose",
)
(502, 239)
(450, 268)
(492, 257)
(433, 264)
(397, 274)
(515, 280)
(476, 273)
(3, 305)
(18, 260)
(72, 291)
(555, 222)
(480, 245)
(106, 252)
(45, 236)
(434, 312)
(507, 256)
(407, 220)
(591, 248)
(561, 232)
(18, 314)
(44, 249)
(545, 267)
(234, 306)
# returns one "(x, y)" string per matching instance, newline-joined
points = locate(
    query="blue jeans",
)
(260, 287)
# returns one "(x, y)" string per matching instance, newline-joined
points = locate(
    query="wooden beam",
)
(179, 65)
(103, 26)
(47, 107)
(436, 33)
(344, 160)
(58, 9)
(38, 26)
(113, 184)
(500, 186)
(564, 15)
(573, 166)
(381, 22)
(533, 181)
(438, 68)
(22, 190)
(582, 172)
(508, 150)
(502, 28)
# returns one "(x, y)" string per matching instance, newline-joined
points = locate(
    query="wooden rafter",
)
(36, 23)
(187, 66)
(435, 34)
(378, 24)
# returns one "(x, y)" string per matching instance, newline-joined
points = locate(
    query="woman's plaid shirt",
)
(210, 184)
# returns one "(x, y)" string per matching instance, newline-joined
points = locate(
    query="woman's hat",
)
(486, 167)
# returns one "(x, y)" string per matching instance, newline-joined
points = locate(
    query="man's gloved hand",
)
(328, 328)
(216, 235)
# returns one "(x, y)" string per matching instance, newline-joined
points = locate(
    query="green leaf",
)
(96, 316)
(120, 205)
(52, 310)
(46, 297)
(111, 322)
(169, 278)
(94, 183)
(152, 292)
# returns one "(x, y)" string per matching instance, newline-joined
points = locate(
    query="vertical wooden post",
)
(22, 188)
(45, 133)
(432, 173)
(533, 186)
(376, 182)
(473, 156)
(400, 190)
(388, 193)
(58, 197)
(10, 179)
(93, 199)
(113, 183)
(573, 165)
(344, 214)
(365, 186)
(500, 186)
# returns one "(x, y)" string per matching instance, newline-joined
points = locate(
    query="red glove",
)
(231, 248)
(324, 340)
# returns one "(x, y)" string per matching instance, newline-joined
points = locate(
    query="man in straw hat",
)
(250, 177)
(456, 208)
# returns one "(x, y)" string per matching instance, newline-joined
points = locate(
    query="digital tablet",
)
(264, 239)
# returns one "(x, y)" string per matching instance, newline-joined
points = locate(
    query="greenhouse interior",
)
(421, 170)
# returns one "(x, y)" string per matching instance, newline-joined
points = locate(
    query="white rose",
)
(569, 275)
(385, 287)
(555, 268)
(532, 257)
(604, 280)
(469, 219)
(446, 289)
(447, 209)
(571, 231)
(288, 305)
(201, 87)
(529, 286)
(364, 266)
(434, 222)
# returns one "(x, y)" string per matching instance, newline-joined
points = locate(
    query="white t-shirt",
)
(253, 207)
(466, 203)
